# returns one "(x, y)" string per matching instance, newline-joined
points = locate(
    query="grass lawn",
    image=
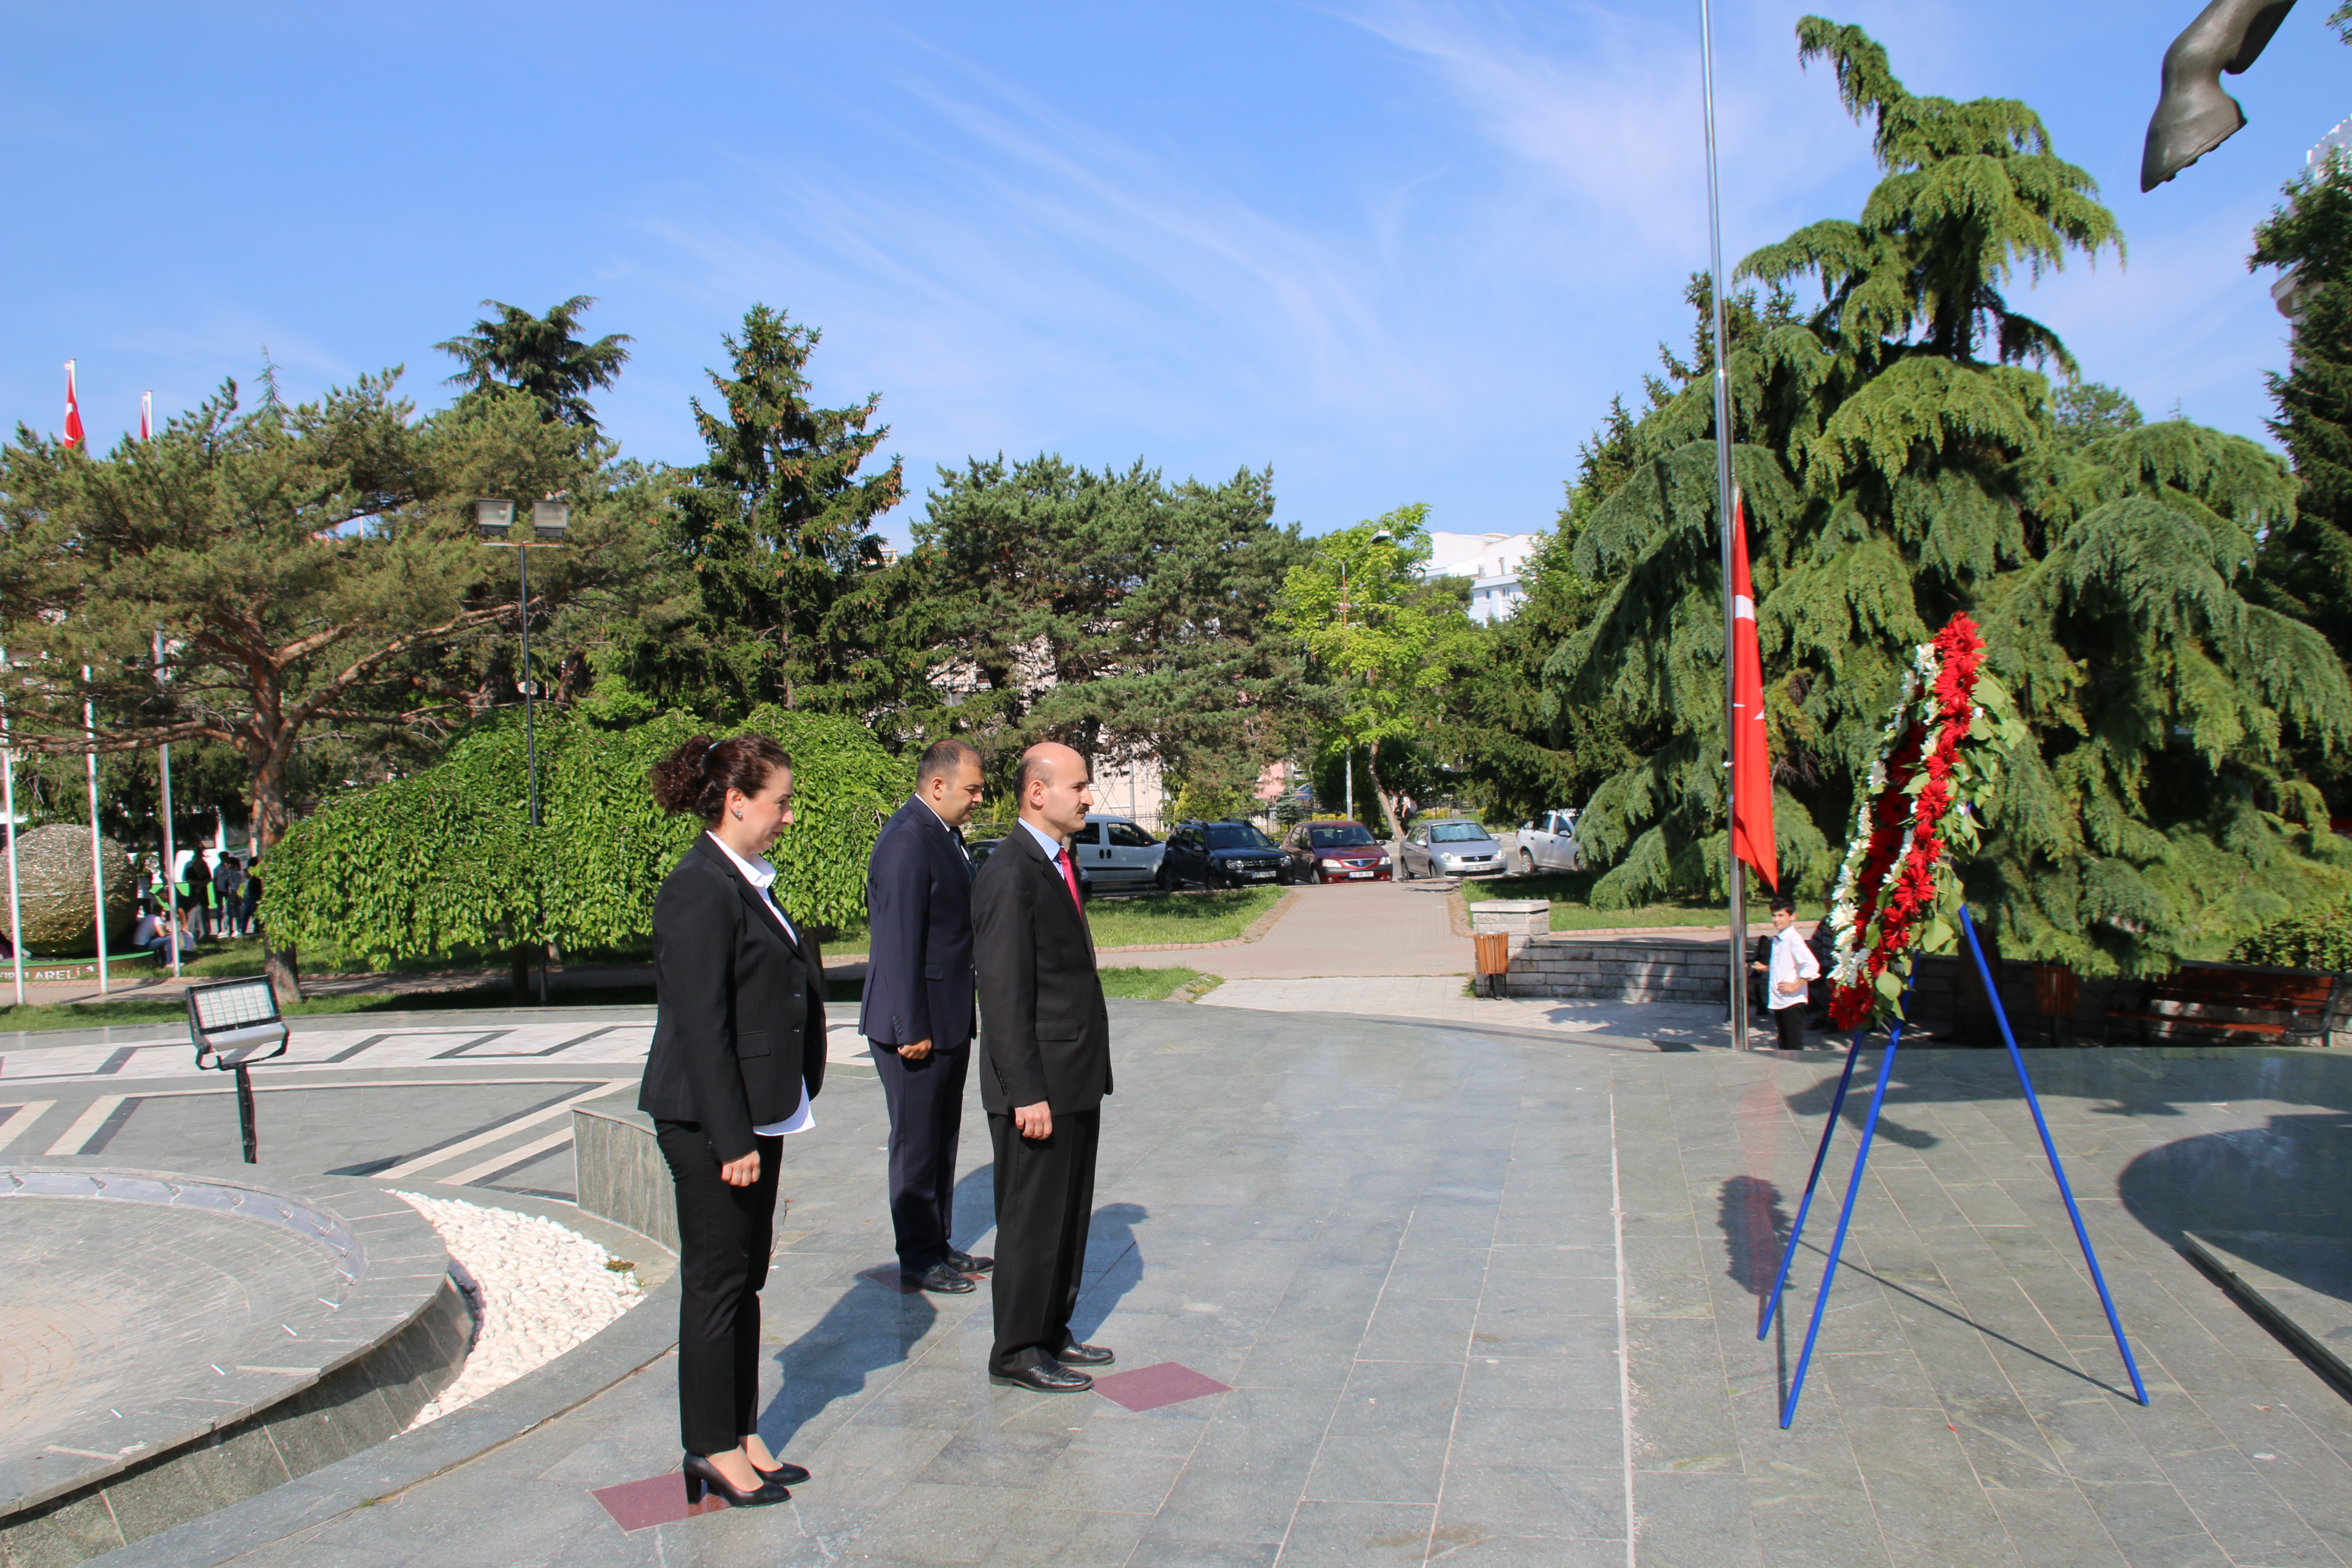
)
(1571, 909)
(1146, 984)
(1161, 919)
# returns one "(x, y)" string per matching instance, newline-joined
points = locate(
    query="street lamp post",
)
(551, 521)
(1347, 765)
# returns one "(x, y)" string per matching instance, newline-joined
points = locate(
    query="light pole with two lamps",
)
(551, 521)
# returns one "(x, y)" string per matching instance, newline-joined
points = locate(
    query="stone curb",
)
(638, 1337)
(403, 1264)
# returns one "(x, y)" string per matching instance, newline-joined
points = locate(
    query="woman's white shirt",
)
(762, 876)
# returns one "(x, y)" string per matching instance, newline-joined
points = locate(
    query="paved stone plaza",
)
(1478, 1297)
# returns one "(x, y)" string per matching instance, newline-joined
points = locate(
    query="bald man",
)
(1046, 1068)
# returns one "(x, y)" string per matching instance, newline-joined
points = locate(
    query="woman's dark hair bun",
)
(697, 777)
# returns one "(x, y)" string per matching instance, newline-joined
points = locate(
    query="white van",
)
(1113, 852)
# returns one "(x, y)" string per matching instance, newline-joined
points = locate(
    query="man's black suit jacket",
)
(741, 1020)
(1045, 1032)
(918, 978)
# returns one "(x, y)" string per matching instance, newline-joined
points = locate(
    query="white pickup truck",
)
(1547, 844)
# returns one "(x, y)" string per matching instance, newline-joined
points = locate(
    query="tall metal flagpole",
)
(97, 867)
(9, 804)
(1738, 953)
(171, 911)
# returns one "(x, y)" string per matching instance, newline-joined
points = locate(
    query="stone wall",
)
(1628, 970)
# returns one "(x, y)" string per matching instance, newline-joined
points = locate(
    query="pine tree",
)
(1111, 610)
(544, 356)
(2307, 566)
(1902, 461)
(778, 528)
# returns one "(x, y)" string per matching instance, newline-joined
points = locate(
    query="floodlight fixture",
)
(550, 521)
(234, 1024)
(494, 520)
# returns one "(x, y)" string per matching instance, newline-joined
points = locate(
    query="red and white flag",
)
(1752, 762)
(73, 409)
(146, 416)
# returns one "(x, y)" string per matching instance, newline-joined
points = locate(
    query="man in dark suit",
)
(918, 1012)
(1046, 1049)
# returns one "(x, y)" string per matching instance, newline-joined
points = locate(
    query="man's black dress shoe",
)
(1045, 1379)
(1087, 1356)
(965, 1263)
(940, 1277)
(784, 1475)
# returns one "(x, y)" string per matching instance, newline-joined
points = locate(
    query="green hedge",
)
(2320, 940)
(444, 861)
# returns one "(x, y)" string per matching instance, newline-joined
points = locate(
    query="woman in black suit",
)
(738, 1055)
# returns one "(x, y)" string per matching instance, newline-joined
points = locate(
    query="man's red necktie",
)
(1070, 876)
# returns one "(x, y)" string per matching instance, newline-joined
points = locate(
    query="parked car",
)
(1549, 844)
(1449, 847)
(1114, 853)
(981, 849)
(1335, 852)
(1219, 855)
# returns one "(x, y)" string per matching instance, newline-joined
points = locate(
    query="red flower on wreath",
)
(1909, 888)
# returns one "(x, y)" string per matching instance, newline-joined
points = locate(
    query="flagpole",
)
(171, 911)
(9, 804)
(1738, 914)
(97, 867)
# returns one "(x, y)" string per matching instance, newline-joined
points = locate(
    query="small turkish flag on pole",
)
(73, 409)
(1752, 762)
(146, 416)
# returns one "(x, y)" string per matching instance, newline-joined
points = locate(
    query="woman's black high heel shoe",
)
(701, 1475)
(784, 1475)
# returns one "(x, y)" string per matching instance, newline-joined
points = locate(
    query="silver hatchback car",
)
(1450, 847)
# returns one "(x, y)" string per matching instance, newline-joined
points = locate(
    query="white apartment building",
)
(1493, 563)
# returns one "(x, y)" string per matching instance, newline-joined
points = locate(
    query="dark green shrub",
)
(2321, 939)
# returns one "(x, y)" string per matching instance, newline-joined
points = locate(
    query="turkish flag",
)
(73, 409)
(1752, 762)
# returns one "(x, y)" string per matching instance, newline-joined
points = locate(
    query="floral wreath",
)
(1926, 796)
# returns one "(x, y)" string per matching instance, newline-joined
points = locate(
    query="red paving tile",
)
(656, 1500)
(1149, 1388)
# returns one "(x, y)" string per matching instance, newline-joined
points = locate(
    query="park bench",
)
(2235, 1004)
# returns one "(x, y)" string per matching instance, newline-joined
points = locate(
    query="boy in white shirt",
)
(1792, 966)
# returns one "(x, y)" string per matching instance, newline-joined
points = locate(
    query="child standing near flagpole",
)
(1789, 975)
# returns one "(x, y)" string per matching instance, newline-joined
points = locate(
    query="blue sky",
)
(1403, 251)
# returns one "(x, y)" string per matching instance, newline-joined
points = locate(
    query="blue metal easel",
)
(1862, 1159)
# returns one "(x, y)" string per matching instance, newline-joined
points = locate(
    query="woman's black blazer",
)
(741, 1021)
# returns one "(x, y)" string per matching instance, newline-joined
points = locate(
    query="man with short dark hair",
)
(1047, 1058)
(916, 1015)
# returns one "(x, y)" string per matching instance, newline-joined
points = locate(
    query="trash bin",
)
(1494, 961)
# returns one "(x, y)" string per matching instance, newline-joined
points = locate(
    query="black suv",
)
(1219, 854)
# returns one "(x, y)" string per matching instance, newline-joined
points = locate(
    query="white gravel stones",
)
(537, 1289)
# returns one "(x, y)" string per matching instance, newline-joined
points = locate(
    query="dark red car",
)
(1334, 852)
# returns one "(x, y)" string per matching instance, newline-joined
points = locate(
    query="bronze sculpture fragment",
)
(2194, 115)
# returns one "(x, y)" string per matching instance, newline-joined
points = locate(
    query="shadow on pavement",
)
(975, 1207)
(1112, 1248)
(2279, 1194)
(869, 1329)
